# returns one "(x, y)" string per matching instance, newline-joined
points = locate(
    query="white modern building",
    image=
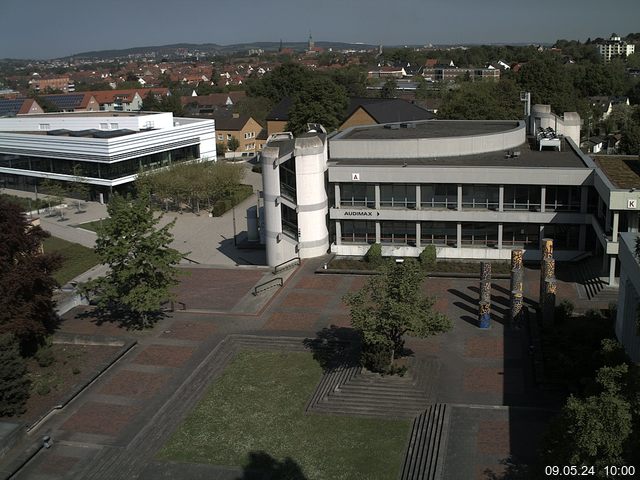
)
(474, 189)
(109, 148)
(628, 318)
(615, 47)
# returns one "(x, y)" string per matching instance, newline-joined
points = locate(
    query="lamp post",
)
(233, 210)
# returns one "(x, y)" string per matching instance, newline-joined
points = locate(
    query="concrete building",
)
(627, 323)
(242, 127)
(110, 148)
(474, 189)
(295, 196)
(615, 47)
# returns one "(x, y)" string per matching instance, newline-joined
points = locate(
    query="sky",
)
(48, 29)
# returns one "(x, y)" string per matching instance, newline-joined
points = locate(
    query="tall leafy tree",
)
(482, 101)
(142, 266)
(392, 305)
(283, 81)
(14, 384)
(319, 100)
(26, 284)
(389, 88)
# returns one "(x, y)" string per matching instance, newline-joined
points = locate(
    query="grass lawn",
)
(258, 406)
(76, 258)
(93, 226)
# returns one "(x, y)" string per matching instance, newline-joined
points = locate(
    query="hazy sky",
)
(54, 28)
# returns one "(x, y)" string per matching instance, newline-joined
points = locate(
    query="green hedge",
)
(225, 204)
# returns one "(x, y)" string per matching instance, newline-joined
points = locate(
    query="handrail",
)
(257, 289)
(285, 265)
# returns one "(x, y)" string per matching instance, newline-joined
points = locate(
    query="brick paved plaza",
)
(483, 374)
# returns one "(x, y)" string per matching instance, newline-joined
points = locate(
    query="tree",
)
(320, 100)
(55, 193)
(391, 305)
(255, 107)
(482, 101)
(233, 144)
(79, 186)
(549, 83)
(14, 384)
(142, 266)
(283, 81)
(26, 284)
(630, 142)
(389, 88)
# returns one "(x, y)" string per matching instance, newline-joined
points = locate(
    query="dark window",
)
(565, 237)
(288, 179)
(482, 234)
(522, 197)
(439, 233)
(398, 195)
(398, 232)
(439, 196)
(521, 235)
(289, 221)
(562, 199)
(357, 195)
(480, 196)
(354, 231)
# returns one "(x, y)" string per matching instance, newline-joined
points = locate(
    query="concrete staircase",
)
(427, 445)
(351, 390)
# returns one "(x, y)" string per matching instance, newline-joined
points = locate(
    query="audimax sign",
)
(359, 213)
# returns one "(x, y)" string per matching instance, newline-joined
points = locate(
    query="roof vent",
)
(394, 126)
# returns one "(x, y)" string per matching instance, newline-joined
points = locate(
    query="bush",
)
(224, 205)
(43, 389)
(564, 311)
(257, 168)
(44, 356)
(374, 256)
(14, 384)
(428, 257)
(376, 357)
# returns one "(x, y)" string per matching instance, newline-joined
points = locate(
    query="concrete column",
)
(338, 232)
(459, 235)
(541, 237)
(543, 198)
(612, 271)
(336, 189)
(418, 198)
(584, 199)
(582, 238)
(418, 234)
(459, 198)
(501, 198)
(377, 195)
(500, 236)
(616, 222)
(378, 232)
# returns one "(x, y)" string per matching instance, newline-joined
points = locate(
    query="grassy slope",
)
(76, 258)
(258, 405)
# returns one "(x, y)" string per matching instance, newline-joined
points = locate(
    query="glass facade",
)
(399, 195)
(562, 199)
(486, 197)
(520, 235)
(439, 233)
(358, 232)
(288, 179)
(108, 171)
(479, 234)
(565, 237)
(439, 196)
(356, 195)
(289, 221)
(397, 232)
(522, 197)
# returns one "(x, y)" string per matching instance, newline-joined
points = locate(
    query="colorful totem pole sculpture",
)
(548, 283)
(517, 287)
(484, 310)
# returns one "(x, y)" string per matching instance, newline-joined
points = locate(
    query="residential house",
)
(126, 100)
(39, 84)
(10, 107)
(208, 104)
(372, 111)
(244, 128)
(605, 104)
(73, 102)
(615, 47)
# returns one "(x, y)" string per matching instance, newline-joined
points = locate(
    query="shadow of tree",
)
(512, 471)
(123, 318)
(335, 346)
(263, 466)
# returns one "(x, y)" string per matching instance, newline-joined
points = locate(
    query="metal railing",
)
(285, 265)
(274, 282)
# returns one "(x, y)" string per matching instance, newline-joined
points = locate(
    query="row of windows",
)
(108, 171)
(445, 196)
(446, 234)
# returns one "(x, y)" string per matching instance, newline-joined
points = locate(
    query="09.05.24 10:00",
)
(585, 470)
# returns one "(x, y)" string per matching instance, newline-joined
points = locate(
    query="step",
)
(381, 391)
(375, 403)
